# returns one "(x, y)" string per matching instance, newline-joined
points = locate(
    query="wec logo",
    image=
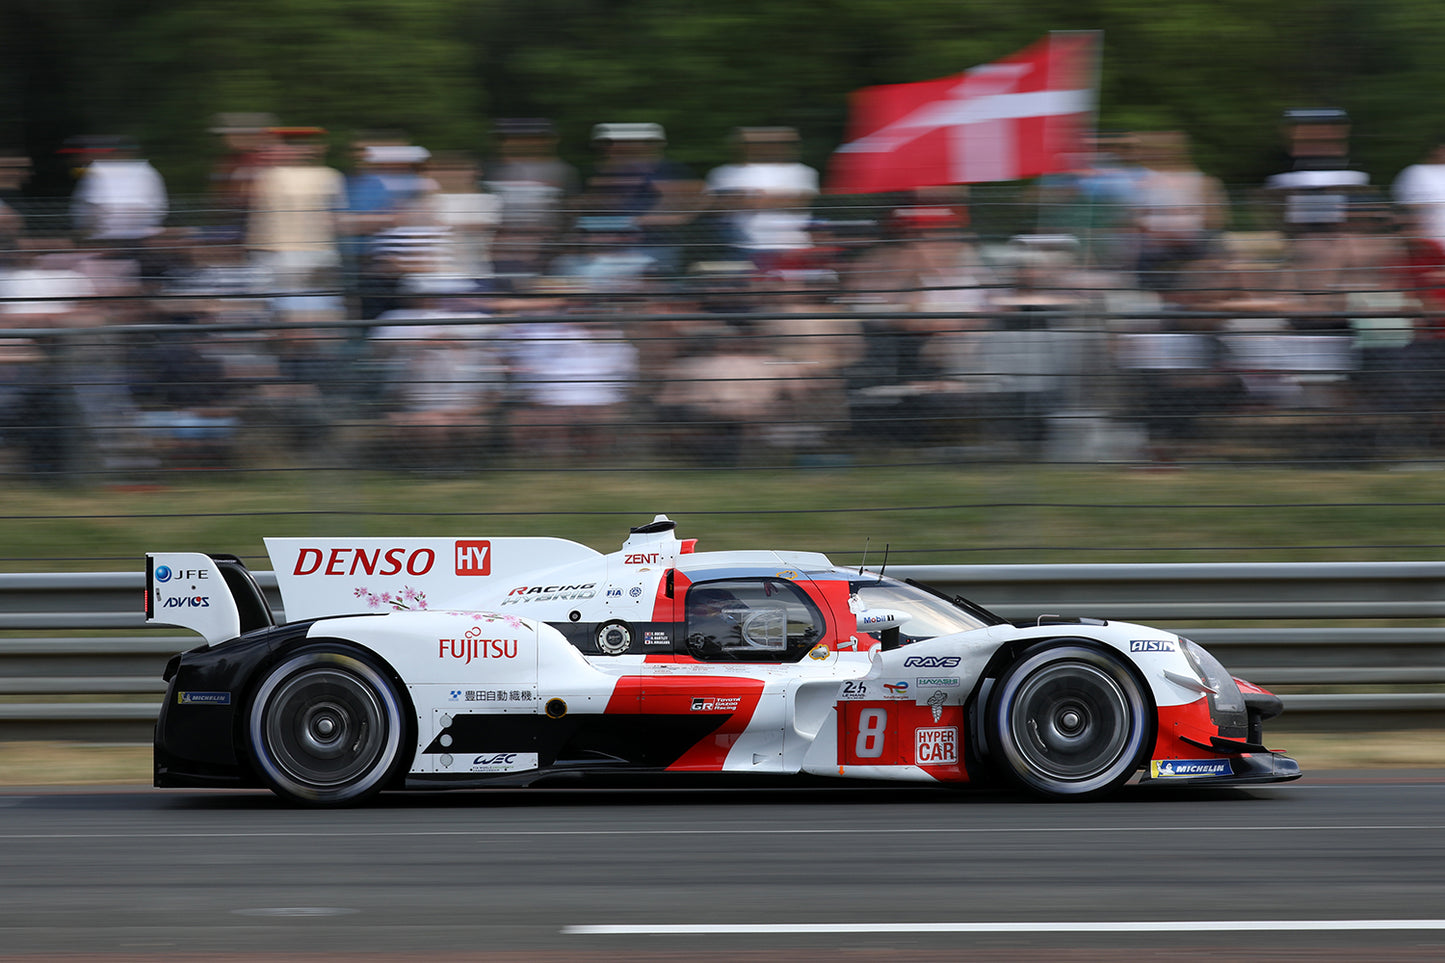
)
(496, 759)
(931, 662)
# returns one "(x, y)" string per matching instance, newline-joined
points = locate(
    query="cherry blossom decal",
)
(408, 599)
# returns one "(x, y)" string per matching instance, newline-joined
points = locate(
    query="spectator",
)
(815, 345)
(292, 228)
(40, 411)
(722, 398)
(534, 186)
(120, 199)
(1097, 202)
(765, 195)
(927, 265)
(390, 231)
(1422, 359)
(571, 381)
(1180, 210)
(1314, 197)
(443, 379)
(1419, 192)
(180, 382)
(1180, 374)
(14, 170)
(245, 140)
(638, 187)
(465, 213)
(1314, 193)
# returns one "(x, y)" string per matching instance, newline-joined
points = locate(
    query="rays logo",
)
(931, 661)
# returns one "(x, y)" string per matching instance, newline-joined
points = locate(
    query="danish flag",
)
(1018, 117)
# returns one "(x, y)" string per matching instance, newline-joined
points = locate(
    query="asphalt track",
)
(1336, 866)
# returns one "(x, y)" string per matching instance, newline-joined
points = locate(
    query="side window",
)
(751, 620)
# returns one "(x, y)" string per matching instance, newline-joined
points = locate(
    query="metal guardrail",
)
(55, 684)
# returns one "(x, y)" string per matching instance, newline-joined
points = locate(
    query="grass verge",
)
(924, 513)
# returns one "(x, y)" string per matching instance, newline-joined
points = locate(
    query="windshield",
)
(929, 615)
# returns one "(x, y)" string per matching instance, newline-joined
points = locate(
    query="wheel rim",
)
(1072, 726)
(325, 727)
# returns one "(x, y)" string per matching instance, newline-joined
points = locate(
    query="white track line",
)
(1121, 926)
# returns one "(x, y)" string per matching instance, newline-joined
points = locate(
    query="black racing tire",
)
(327, 727)
(1068, 721)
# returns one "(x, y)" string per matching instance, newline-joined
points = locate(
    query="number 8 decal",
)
(871, 723)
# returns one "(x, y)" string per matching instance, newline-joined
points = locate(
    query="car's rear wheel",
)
(1068, 721)
(326, 727)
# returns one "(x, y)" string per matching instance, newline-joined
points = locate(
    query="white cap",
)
(396, 154)
(628, 132)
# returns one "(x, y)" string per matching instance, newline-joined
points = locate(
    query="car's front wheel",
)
(1068, 721)
(326, 727)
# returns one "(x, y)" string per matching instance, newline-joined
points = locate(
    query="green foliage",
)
(1220, 69)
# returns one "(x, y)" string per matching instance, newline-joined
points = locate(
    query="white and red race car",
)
(463, 662)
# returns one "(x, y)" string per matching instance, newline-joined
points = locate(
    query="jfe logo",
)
(164, 573)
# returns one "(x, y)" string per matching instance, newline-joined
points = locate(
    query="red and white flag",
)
(1014, 118)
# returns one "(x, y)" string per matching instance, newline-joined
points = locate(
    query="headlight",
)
(1227, 697)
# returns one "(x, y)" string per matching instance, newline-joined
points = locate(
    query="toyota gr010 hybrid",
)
(465, 662)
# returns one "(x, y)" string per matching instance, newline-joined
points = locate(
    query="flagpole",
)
(1091, 133)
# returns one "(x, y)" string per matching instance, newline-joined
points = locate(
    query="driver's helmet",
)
(711, 601)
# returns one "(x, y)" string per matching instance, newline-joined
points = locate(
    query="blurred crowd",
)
(440, 310)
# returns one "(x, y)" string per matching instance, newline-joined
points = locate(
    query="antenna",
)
(884, 567)
(865, 557)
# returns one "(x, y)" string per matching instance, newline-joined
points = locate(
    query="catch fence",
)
(1028, 337)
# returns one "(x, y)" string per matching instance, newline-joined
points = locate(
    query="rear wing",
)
(211, 594)
(349, 576)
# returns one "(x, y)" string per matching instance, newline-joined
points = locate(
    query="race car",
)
(430, 663)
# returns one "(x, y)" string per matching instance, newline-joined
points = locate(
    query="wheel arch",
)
(245, 752)
(1015, 652)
